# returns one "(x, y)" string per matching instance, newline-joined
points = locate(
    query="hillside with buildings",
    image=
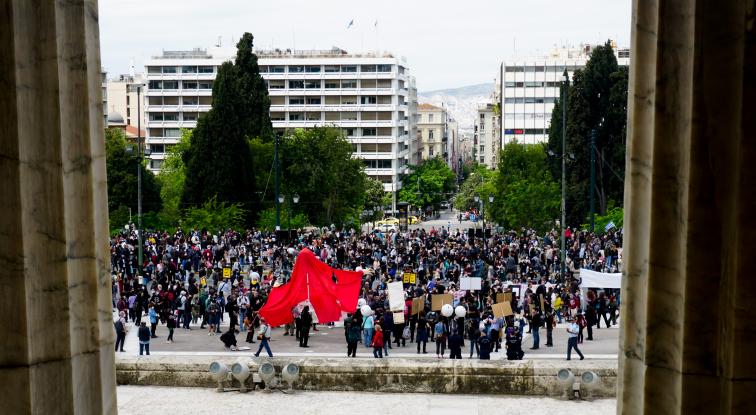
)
(462, 103)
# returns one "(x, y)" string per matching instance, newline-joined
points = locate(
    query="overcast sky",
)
(447, 43)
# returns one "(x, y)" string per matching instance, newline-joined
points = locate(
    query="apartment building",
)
(486, 139)
(122, 99)
(527, 88)
(367, 95)
(432, 131)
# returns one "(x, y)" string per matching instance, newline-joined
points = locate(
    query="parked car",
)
(413, 220)
(386, 227)
(388, 221)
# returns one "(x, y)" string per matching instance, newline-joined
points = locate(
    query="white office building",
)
(486, 141)
(527, 88)
(367, 95)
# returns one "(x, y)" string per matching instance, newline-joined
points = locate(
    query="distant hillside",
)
(461, 102)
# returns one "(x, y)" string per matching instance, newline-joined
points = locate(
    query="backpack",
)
(406, 333)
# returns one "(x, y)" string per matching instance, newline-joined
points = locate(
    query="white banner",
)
(470, 283)
(396, 296)
(593, 279)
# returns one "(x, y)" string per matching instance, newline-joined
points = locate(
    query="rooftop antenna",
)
(132, 71)
(218, 44)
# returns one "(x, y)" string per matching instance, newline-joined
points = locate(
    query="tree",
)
(215, 216)
(428, 184)
(122, 179)
(526, 195)
(317, 164)
(598, 92)
(218, 159)
(480, 182)
(172, 177)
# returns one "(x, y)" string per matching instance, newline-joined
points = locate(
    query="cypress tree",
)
(218, 160)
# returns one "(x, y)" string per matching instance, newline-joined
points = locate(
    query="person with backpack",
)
(440, 332)
(171, 327)
(455, 345)
(352, 329)
(212, 315)
(581, 323)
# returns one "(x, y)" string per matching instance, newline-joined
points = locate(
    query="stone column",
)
(56, 327)
(688, 331)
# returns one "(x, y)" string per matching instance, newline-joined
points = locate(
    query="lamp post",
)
(139, 180)
(565, 80)
(279, 198)
(593, 169)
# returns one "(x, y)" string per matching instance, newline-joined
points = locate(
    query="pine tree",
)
(218, 161)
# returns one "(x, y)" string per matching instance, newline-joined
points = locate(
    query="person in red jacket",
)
(377, 342)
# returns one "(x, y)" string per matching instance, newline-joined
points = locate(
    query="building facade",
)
(526, 90)
(432, 133)
(122, 99)
(367, 95)
(486, 139)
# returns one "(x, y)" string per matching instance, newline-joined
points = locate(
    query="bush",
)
(267, 220)
(214, 215)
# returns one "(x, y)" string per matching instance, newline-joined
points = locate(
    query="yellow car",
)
(388, 221)
(413, 220)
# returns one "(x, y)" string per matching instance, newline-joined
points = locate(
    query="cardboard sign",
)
(418, 305)
(398, 318)
(504, 297)
(226, 272)
(438, 301)
(502, 309)
(396, 296)
(470, 283)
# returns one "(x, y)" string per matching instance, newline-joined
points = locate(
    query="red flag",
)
(329, 296)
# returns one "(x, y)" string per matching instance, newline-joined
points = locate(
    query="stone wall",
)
(387, 375)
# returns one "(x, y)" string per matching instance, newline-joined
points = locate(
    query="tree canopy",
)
(597, 92)
(428, 184)
(122, 180)
(218, 161)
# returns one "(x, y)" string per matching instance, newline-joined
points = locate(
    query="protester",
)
(378, 342)
(573, 331)
(120, 329)
(263, 335)
(352, 333)
(306, 321)
(229, 339)
(144, 338)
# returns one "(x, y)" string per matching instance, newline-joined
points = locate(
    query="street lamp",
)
(565, 83)
(295, 199)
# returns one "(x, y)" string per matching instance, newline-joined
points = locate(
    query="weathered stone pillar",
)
(689, 289)
(56, 346)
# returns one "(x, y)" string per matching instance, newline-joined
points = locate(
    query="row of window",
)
(328, 84)
(173, 116)
(184, 69)
(185, 100)
(156, 85)
(530, 100)
(542, 68)
(330, 116)
(526, 131)
(377, 164)
(324, 68)
(531, 84)
(336, 100)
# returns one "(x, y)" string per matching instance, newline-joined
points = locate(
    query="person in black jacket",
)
(229, 339)
(144, 338)
(455, 346)
(304, 326)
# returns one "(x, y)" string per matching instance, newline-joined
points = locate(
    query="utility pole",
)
(564, 176)
(593, 172)
(278, 182)
(139, 181)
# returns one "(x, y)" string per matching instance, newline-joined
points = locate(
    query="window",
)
(190, 116)
(276, 84)
(296, 101)
(205, 69)
(189, 84)
(313, 116)
(348, 68)
(430, 117)
(349, 116)
(332, 68)
(172, 132)
(296, 68)
(313, 100)
(276, 69)
(368, 132)
(154, 69)
(384, 68)
(190, 100)
(514, 69)
(351, 84)
(296, 116)
(430, 150)
(156, 164)
(157, 148)
(312, 84)
(188, 69)
(296, 84)
(368, 68)
(377, 164)
(312, 69)
(278, 116)
(169, 69)
(349, 132)
(430, 134)
(155, 85)
(156, 116)
(263, 68)
(370, 100)
(171, 116)
(348, 100)
(205, 85)
(331, 84)
(170, 84)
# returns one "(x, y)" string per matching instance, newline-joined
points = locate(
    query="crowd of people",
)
(199, 277)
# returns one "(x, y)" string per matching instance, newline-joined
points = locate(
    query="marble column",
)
(56, 341)
(689, 289)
